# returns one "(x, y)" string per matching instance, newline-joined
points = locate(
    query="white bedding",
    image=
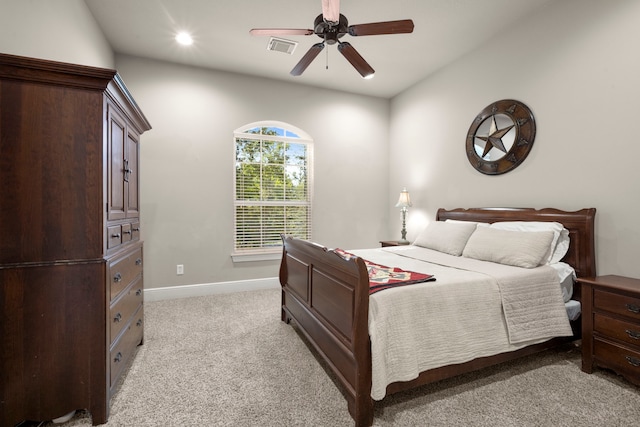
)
(460, 316)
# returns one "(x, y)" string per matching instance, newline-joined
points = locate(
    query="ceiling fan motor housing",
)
(330, 32)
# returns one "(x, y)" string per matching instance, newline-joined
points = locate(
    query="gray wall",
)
(575, 65)
(60, 30)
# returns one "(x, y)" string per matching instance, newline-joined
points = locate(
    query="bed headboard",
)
(581, 255)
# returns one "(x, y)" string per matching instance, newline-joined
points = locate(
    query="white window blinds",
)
(272, 187)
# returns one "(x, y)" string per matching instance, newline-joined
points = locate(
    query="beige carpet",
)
(228, 360)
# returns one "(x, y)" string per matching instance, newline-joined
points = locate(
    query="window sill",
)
(275, 256)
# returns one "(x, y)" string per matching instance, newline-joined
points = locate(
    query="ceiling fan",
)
(330, 26)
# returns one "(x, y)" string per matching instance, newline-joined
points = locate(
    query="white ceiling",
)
(444, 31)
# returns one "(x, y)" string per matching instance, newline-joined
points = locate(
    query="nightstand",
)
(384, 243)
(611, 325)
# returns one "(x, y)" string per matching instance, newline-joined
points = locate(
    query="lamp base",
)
(403, 242)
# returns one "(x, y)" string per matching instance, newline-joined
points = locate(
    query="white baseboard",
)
(187, 291)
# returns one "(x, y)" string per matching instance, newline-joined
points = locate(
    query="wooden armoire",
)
(71, 293)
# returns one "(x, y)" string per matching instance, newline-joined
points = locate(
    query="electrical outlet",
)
(180, 269)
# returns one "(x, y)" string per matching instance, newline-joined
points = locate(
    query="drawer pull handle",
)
(136, 229)
(139, 322)
(126, 232)
(117, 318)
(118, 357)
(139, 261)
(139, 292)
(633, 308)
(117, 278)
(633, 361)
(633, 334)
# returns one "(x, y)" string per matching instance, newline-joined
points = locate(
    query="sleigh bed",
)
(327, 294)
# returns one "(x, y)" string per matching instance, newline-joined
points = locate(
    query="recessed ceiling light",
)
(184, 38)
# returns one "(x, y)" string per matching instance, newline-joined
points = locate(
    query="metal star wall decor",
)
(500, 137)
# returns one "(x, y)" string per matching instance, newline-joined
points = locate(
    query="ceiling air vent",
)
(281, 45)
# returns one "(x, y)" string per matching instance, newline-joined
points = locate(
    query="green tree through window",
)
(272, 187)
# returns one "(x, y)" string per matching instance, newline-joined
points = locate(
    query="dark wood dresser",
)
(611, 325)
(71, 289)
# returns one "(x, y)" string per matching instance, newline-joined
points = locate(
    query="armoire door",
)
(132, 164)
(116, 141)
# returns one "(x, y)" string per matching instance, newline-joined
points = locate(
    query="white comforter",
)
(473, 309)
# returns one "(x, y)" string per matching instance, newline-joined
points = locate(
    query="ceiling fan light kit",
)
(330, 26)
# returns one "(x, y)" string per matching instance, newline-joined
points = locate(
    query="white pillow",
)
(447, 237)
(567, 276)
(562, 247)
(560, 235)
(518, 248)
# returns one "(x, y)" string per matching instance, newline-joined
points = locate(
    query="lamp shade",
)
(404, 201)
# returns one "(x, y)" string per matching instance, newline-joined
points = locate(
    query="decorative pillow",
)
(447, 237)
(518, 248)
(560, 236)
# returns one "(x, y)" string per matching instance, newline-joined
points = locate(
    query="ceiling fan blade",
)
(307, 59)
(356, 60)
(280, 32)
(331, 10)
(389, 27)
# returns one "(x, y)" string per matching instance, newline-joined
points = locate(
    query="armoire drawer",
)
(114, 236)
(126, 233)
(125, 345)
(124, 306)
(123, 269)
(135, 230)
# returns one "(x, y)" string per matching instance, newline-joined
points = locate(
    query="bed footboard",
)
(328, 299)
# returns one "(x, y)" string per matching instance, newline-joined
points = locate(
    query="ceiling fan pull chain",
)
(327, 60)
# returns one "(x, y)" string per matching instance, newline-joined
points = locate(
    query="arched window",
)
(272, 188)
